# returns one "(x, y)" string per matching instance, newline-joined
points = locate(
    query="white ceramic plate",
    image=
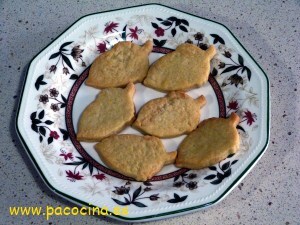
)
(54, 95)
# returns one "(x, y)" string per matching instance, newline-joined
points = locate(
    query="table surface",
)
(269, 30)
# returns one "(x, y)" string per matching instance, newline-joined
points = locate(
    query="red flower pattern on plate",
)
(134, 33)
(159, 32)
(249, 117)
(101, 47)
(100, 176)
(74, 176)
(233, 105)
(67, 155)
(110, 27)
(54, 134)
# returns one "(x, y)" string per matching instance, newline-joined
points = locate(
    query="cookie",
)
(185, 68)
(139, 157)
(125, 62)
(170, 116)
(108, 114)
(211, 142)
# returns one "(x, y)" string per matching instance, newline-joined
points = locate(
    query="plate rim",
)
(166, 214)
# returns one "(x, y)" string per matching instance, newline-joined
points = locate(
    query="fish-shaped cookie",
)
(211, 142)
(170, 116)
(108, 114)
(185, 68)
(125, 62)
(139, 157)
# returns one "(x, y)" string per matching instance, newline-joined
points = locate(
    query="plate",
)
(54, 95)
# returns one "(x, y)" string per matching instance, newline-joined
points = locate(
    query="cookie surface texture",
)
(108, 114)
(211, 142)
(185, 68)
(138, 157)
(170, 116)
(125, 62)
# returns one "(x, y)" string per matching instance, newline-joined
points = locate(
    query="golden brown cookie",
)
(125, 62)
(185, 68)
(170, 116)
(211, 142)
(139, 157)
(109, 113)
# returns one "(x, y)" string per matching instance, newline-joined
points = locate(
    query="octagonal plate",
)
(54, 95)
